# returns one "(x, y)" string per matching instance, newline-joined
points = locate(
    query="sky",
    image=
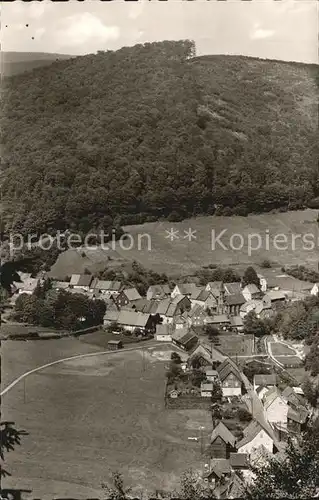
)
(282, 29)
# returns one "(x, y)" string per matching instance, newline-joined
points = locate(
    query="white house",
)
(206, 389)
(315, 289)
(276, 408)
(27, 286)
(184, 289)
(163, 333)
(230, 378)
(251, 292)
(263, 282)
(255, 436)
(211, 375)
(263, 383)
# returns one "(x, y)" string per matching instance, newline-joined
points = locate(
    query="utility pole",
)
(24, 395)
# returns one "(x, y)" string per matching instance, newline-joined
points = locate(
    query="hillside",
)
(14, 63)
(150, 132)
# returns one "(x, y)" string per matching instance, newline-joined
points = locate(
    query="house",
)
(219, 469)
(262, 282)
(237, 324)
(180, 321)
(297, 420)
(184, 338)
(27, 286)
(108, 288)
(233, 303)
(255, 436)
(115, 344)
(216, 287)
(218, 320)
(211, 375)
(275, 407)
(262, 383)
(232, 288)
(158, 292)
(127, 296)
(169, 308)
(222, 442)
(74, 279)
(251, 292)
(83, 282)
(239, 461)
(196, 316)
(315, 289)
(174, 394)
(145, 306)
(230, 378)
(293, 398)
(163, 333)
(236, 488)
(203, 298)
(206, 355)
(184, 289)
(129, 320)
(276, 297)
(206, 390)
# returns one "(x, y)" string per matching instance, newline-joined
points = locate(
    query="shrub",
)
(244, 415)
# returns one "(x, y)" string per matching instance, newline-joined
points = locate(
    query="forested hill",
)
(151, 131)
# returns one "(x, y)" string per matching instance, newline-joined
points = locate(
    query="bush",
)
(266, 264)
(244, 415)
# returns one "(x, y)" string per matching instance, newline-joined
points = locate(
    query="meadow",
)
(91, 416)
(150, 245)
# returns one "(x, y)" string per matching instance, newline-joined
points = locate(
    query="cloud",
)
(258, 33)
(83, 28)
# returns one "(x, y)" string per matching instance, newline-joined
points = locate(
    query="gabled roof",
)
(209, 353)
(232, 288)
(276, 295)
(270, 397)
(137, 319)
(112, 286)
(196, 310)
(183, 336)
(145, 306)
(84, 280)
(220, 466)
(222, 431)
(205, 295)
(236, 321)
(226, 367)
(206, 386)
(75, 279)
(159, 290)
(235, 299)
(187, 288)
(61, 284)
(238, 460)
(218, 319)
(164, 329)
(252, 288)
(216, 287)
(131, 294)
(210, 372)
(265, 380)
(250, 432)
(299, 415)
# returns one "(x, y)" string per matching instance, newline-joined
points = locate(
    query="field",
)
(90, 416)
(290, 361)
(154, 250)
(232, 345)
(281, 349)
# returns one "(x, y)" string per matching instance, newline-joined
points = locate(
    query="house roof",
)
(75, 279)
(164, 329)
(276, 295)
(111, 315)
(28, 284)
(292, 397)
(196, 310)
(205, 295)
(216, 287)
(220, 466)
(137, 319)
(228, 366)
(238, 460)
(252, 288)
(61, 284)
(218, 319)
(132, 294)
(84, 280)
(168, 306)
(105, 285)
(146, 306)
(297, 415)
(270, 397)
(211, 373)
(222, 431)
(236, 321)
(183, 336)
(158, 290)
(209, 353)
(235, 299)
(232, 288)
(206, 386)
(114, 342)
(187, 288)
(265, 380)
(250, 432)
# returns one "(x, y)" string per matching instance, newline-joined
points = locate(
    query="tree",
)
(192, 487)
(117, 491)
(10, 437)
(254, 325)
(250, 277)
(9, 272)
(311, 392)
(217, 393)
(197, 377)
(175, 357)
(296, 475)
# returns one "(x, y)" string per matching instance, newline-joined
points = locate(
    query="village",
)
(241, 379)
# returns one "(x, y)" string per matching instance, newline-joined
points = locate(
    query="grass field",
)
(90, 416)
(156, 251)
(242, 345)
(290, 361)
(279, 349)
